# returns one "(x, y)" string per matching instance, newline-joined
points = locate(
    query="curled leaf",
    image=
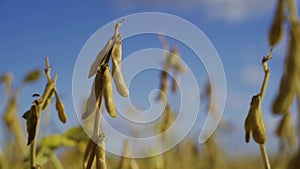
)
(60, 109)
(32, 76)
(254, 124)
(31, 117)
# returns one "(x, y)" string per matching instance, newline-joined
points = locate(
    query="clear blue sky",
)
(31, 30)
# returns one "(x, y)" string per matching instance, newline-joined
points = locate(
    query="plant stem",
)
(264, 155)
(56, 161)
(267, 73)
(33, 144)
(47, 92)
(98, 118)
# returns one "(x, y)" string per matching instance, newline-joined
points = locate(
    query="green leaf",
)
(54, 141)
(76, 134)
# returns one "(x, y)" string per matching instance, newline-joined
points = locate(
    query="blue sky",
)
(31, 30)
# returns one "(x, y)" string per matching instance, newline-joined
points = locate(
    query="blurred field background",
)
(239, 30)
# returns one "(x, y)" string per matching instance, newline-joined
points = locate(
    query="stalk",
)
(39, 103)
(264, 155)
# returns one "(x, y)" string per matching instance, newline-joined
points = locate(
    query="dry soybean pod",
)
(176, 62)
(254, 124)
(87, 152)
(164, 84)
(175, 82)
(295, 162)
(60, 108)
(105, 50)
(298, 108)
(277, 27)
(98, 86)
(285, 130)
(285, 97)
(107, 91)
(289, 81)
(100, 155)
(117, 68)
(91, 156)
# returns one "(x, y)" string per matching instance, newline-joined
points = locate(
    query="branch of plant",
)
(267, 73)
(47, 92)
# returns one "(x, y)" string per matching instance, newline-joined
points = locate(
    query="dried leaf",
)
(100, 56)
(107, 91)
(277, 28)
(31, 117)
(90, 104)
(254, 124)
(32, 76)
(60, 109)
